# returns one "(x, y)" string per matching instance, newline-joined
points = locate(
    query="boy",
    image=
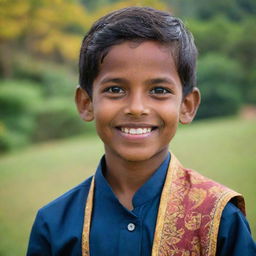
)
(137, 81)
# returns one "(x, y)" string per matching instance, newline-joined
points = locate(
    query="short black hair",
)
(143, 24)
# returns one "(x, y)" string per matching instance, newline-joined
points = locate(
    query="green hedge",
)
(54, 80)
(219, 80)
(26, 116)
(57, 118)
(18, 104)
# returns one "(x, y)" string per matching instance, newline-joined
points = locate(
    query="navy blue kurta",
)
(116, 231)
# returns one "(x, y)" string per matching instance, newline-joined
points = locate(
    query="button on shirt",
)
(131, 227)
(119, 231)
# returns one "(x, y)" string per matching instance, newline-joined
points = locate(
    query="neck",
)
(126, 177)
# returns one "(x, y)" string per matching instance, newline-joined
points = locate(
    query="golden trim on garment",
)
(163, 206)
(189, 214)
(213, 233)
(87, 221)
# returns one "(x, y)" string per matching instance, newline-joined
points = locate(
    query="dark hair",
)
(137, 23)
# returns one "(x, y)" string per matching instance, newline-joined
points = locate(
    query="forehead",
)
(146, 56)
(142, 48)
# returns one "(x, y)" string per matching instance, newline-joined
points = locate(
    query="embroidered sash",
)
(188, 216)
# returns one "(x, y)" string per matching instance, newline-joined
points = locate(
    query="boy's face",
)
(137, 101)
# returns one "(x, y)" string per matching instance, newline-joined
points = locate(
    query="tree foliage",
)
(219, 80)
(46, 28)
(235, 10)
(39, 48)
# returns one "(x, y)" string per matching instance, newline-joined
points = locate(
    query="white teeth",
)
(140, 131)
(136, 131)
(132, 131)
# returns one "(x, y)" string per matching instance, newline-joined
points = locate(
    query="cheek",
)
(170, 113)
(104, 114)
(170, 118)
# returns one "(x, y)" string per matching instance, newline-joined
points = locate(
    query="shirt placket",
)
(130, 236)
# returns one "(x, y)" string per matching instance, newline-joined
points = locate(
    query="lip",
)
(135, 126)
(135, 136)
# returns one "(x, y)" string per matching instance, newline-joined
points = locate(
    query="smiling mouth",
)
(136, 130)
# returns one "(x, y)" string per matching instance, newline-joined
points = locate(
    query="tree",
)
(47, 28)
(219, 80)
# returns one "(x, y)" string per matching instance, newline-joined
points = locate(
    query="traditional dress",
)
(176, 212)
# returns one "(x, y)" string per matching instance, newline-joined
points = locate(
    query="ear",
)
(84, 105)
(189, 106)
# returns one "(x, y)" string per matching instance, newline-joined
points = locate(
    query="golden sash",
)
(188, 216)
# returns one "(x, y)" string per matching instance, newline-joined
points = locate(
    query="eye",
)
(159, 90)
(114, 90)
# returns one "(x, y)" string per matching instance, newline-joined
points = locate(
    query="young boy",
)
(137, 81)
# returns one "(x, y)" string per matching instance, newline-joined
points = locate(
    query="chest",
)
(118, 231)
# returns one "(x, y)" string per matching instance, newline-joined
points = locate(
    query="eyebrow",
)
(162, 80)
(113, 80)
(159, 80)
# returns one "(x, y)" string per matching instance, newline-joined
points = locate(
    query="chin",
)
(138, 155)
(135, 158)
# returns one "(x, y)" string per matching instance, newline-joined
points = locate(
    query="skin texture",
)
(137, 87)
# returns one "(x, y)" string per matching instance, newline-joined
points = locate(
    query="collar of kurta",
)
(188, 217)
(151, 189)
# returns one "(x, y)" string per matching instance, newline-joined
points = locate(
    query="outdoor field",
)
(223, 149)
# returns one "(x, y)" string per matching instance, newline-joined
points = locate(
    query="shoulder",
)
(213, 188)
(71, 194)
(231, 218)
(214, 196)
(197, 186)
(198, 178)
(231, 211)
(74, 198)
(58, 225)
(234, 236)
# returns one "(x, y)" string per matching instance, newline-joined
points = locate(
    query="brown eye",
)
(114, 89)
(159, 90)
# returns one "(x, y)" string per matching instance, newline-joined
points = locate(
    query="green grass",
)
(224, 150)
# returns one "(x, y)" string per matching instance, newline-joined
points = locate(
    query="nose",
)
(137, 105)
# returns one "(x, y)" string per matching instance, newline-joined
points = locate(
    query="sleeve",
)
(39, 238)
(234, 237)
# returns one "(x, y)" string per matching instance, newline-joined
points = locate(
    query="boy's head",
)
(137, 81)
(138, 24)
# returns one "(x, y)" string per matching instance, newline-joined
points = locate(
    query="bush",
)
(26, 116)
(18, 104)
(242, 45)
(18, 96)
(10, 140)
(54, 80)
(219, 103)
(214, 35)
(57, 118)
(219, 79)
(58, 83)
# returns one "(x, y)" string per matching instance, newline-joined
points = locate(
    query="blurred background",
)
(46, 149)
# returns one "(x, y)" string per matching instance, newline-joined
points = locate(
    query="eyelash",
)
(110, 89)
(153, 91)
(164, 90)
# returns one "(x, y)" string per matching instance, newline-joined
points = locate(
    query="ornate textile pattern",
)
(189, 213)
(188, 216)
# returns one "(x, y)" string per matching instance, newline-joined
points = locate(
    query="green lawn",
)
(224, 150)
